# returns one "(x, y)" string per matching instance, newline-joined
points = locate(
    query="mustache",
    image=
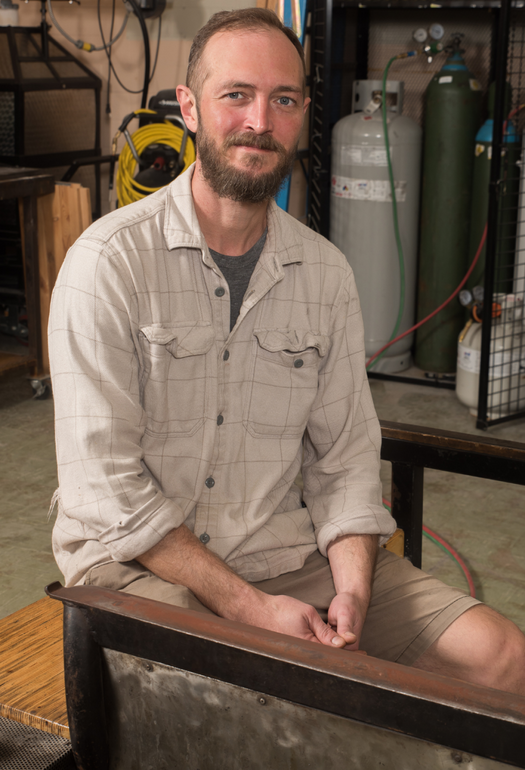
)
(247, 139)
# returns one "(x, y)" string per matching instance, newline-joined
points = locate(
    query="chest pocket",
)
(285, 381)
(175, 371)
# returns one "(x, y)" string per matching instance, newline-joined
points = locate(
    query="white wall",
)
(180, 22)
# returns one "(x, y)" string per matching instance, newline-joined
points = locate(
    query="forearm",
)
(352, 561)
(181, 558)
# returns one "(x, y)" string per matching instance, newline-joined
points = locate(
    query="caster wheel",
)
(41, 389)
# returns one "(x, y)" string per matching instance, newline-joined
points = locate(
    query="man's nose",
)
(258, 118)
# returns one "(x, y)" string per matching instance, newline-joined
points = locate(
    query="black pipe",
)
(138, 13)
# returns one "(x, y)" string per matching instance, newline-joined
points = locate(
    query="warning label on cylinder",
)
(505, 363)
(468, 359)
(367, 189)
(356, 155)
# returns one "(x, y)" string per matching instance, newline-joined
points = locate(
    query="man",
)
(205, 348)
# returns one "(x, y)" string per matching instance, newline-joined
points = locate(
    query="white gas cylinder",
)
(506, 391)
(361, 220)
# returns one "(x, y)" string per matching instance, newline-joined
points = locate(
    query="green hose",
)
(394, 216)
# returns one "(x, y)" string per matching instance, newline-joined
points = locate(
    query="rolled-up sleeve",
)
(342, 444)
(106, 491)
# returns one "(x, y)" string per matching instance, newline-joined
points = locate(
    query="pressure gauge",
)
(436, 31)
(478, 292)
(465, 297)
(420, 35)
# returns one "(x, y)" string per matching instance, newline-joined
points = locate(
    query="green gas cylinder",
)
(508, 199)
(452, 117)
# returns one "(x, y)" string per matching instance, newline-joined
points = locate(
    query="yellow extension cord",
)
(128, 190)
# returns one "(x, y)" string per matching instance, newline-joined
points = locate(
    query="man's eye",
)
(286, 101)
(235, 95)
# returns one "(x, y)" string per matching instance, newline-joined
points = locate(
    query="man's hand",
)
(295, 618)
(346, 615)
(352, 559)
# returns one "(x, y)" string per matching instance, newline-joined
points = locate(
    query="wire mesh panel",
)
(26, 748)
(502, 367)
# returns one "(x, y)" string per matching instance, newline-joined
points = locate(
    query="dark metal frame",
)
(411, 449)
(20, 85)
(464, 717)
(501, 61)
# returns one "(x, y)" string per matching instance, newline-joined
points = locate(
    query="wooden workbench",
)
(27, 185)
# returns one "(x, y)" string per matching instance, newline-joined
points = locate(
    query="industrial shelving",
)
(352, 39)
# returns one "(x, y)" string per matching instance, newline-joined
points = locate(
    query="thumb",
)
(325, 633)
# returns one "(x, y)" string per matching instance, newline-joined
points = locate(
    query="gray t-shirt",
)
(237, 271)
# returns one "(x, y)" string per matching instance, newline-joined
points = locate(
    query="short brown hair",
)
(253, 19)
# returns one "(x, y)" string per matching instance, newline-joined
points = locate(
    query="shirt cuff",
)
(136, 533)
(374, 521)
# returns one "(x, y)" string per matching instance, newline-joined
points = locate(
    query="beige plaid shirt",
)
(164, 416)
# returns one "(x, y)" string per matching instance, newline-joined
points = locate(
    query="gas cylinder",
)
(508, 199)
(452, 117)
(361, 219)
(506, 391)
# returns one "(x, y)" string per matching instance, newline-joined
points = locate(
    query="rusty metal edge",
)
(441, 439)
(383, 674)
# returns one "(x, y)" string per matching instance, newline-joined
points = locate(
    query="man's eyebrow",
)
(234, 85)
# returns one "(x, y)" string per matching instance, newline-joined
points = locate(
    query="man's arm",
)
(181, 558)
(352, 560)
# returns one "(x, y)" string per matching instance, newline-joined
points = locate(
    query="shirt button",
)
(204, 538)
(220, 292)
(298, 363)
(210, 482)
(226, 355)
(220, 419)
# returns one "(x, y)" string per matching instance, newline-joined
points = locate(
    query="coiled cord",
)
(129, 190)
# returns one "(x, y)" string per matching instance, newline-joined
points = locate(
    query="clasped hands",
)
(346, 616)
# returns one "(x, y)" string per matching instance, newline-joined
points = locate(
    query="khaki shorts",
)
(408, 611)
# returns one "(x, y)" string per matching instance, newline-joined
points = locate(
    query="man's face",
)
(250, 113)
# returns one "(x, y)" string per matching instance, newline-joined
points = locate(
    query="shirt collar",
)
(181, 227)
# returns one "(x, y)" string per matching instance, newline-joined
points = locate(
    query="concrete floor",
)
(483, 520)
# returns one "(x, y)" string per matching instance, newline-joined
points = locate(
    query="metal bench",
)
(30, 640)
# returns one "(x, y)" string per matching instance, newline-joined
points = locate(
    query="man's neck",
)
(229, 227)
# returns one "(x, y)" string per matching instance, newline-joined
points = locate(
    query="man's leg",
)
(417, 620)
(481, 646)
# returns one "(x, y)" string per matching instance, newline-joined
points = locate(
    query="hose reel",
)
(155, 154)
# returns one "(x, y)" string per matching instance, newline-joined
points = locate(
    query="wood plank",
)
(9, 361)
(32, 687)
(396, 544)
(85, 208)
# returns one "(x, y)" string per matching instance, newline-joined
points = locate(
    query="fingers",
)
(324, 632)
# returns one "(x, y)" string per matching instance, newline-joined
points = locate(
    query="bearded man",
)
(205, 348)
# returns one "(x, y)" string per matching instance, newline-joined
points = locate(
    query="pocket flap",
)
(181, 341)
(292, 340)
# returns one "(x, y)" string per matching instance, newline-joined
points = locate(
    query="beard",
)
(246, 185)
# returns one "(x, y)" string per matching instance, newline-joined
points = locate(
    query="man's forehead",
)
(225, 44)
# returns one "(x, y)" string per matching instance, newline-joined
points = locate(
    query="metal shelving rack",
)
(345, 48)
(502, 365)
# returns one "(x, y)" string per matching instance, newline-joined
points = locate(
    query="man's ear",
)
(188, 107)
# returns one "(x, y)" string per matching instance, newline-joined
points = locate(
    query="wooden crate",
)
(62, 218)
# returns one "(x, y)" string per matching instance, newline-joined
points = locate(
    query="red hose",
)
(457, 557)
(440, 308)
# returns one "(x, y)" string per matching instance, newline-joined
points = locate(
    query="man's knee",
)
(482, 647)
